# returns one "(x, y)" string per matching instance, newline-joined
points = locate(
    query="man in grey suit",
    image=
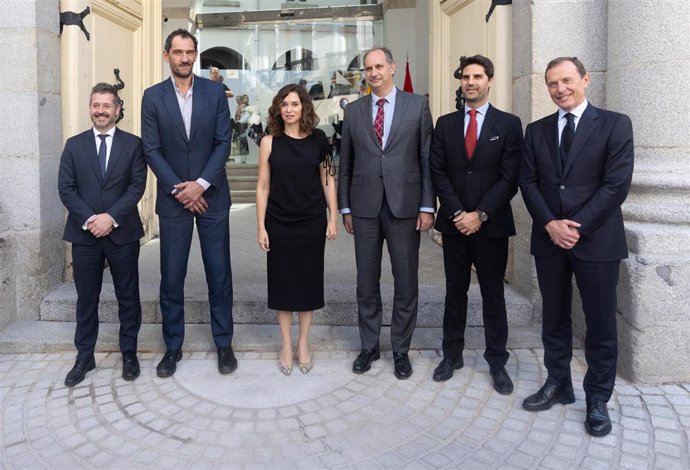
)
(385, 193)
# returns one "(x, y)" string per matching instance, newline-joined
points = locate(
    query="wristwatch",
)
(483, 216)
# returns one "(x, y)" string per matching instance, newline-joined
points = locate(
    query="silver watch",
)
(483, 216)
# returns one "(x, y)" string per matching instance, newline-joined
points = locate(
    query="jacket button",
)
(562, 186)
(383, 155)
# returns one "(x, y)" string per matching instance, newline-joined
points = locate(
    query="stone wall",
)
(31, 216)
(648, 67)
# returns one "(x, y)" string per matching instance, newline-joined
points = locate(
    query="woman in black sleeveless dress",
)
(295, 186)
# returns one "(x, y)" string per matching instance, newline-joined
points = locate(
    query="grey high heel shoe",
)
(285, 369)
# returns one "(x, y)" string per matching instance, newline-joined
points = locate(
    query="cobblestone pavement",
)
(330, 418)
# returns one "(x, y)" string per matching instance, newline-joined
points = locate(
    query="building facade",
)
(636, 52)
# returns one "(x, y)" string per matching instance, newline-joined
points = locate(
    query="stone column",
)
(544, 30)
(31, 215)
(648, 73)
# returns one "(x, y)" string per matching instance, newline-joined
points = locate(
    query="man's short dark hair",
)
(183, 33)
(387, 52)
(107, 88)
(485, 62)
(574, 60)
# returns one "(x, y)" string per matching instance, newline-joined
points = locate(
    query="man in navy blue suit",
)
(576, 173)
(186, 138)
(102, 176)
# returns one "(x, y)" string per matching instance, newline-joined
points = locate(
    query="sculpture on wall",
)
(71, 19)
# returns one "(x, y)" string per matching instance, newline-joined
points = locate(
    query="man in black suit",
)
(385, 193)
(186, 138)
(576, 173)
(475, 178)
(102, 176)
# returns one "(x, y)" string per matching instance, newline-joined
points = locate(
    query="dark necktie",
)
(378, 121)
(567, 137)
(471, 134)
(102, 153)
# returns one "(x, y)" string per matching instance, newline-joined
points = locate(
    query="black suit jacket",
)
(85, 193)
(590, 189)
(488, 181)
(173, 156)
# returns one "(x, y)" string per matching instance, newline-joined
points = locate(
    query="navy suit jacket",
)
(590, 189)
(85, 193)
(486, 182)
(173, 157)
(400, 169)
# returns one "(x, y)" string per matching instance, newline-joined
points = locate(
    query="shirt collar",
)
(191, 88)
(110, 133)
(577, 111)
(481, 110)
(390, 97)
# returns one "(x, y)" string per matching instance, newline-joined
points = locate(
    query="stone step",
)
(240, 169)
(243, 196)
(242, 183)
(249, 305)
(32, 336)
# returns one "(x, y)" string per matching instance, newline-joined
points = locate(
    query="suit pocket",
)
(357, 181)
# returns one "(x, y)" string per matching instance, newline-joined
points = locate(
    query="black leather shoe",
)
(501, 379)
(445, 369)
(78, 372)
(364, 360)
(130, 365)
(597, 422)
(403, 368)
(547, 396)
(168, 364)
(226, 360)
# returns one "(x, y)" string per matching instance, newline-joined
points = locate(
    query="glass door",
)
(256, 60)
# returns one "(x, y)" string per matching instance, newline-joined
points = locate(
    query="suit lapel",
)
(401, 103)
(170, 100)
(458, 130)
(587, 123)
(551, 136)
(91, 153)
(198, 99)
(367, 119)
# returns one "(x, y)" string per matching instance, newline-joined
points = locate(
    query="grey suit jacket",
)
(401, 168)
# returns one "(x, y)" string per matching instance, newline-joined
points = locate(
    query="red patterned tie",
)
(471, 134)
(378, 122)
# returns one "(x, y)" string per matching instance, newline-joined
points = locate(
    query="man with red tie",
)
(475, 178)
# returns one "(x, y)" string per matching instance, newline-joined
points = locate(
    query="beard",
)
(179, 72)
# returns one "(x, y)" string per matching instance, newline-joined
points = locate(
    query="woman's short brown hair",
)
(307, 123)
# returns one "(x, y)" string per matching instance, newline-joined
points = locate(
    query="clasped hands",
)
(467, 223)
(100, 225)
(564, 233)
(191, 195)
